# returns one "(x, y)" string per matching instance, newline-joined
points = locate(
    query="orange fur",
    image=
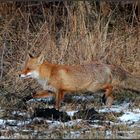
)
(90, 77)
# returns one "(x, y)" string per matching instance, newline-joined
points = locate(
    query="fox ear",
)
(40, 59)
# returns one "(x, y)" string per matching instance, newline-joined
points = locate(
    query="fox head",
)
(31, 67)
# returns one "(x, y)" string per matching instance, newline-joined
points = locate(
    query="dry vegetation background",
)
(67, 33)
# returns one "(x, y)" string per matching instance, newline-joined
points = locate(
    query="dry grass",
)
(67, 33)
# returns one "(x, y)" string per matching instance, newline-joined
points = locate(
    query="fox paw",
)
(107, 100)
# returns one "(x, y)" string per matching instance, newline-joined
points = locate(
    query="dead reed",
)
(67, 33)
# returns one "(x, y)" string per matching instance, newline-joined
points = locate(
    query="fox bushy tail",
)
(124, 79)
(132, 82)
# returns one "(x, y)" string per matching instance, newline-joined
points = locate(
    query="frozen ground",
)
(125, 125)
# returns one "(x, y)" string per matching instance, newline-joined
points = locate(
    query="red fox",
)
(92, 76)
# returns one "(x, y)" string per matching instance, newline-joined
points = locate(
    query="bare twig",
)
(1, 64)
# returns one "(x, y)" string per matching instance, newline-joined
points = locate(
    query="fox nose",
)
(20, 74)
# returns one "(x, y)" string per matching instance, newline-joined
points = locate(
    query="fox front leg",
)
(42, 94)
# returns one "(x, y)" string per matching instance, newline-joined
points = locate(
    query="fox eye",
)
(28, 69)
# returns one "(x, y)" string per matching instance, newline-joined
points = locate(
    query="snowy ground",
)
(42, 128)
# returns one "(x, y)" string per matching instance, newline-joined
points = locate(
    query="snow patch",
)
(115, 108)
(14, 122)
(71, 113)
(130, 116)
(83, 98)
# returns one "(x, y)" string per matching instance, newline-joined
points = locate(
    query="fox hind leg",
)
(108, 97)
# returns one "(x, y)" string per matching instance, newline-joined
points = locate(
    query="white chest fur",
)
(43, 83)
(46, 86)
